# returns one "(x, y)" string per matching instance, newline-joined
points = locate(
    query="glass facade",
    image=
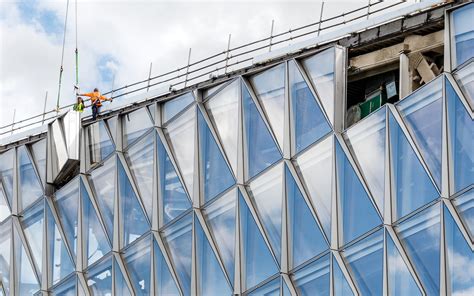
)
(250, 188)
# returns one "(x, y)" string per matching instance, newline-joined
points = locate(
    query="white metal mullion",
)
(340, 89)
(117, 221)
(389, 204)
(288, 120)
(385, 283)
(12, 268)
(153, 288)
(336, 220)
(83, 283)
(289, 284)
(286, 231)
(198, 187)
(157, 198)
(242, 149)
(340, 261)
(238, 271)
(121, 265)
(195, 284)
(46, 273)
(15, 198)
(444, 288)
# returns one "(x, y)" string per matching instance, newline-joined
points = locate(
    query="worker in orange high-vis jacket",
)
(96, 101)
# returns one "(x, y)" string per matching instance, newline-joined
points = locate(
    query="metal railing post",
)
(271, 37)
(227, 54)
(149, 77)
(44, 107)
(187, 68)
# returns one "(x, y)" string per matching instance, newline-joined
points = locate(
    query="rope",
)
(62, 58)
(77, 51)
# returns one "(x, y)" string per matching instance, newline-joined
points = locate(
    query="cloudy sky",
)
(120, 38)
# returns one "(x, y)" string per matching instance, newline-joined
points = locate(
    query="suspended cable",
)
(62, 58)
(77, 51)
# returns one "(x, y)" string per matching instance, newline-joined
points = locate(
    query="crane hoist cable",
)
(62, 58)
(77, 51)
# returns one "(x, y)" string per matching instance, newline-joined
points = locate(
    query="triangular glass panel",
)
(367, 142)
(138, 261)
(152, 110)
(270, 289)
(220, 216)
(5, 253)
(412, 185)
(112, 124)
(176, 105)
(309, 122)
(315, 166)
(164, 282)
(25, 276)
(258, 263)
(460, 258)
(100, 143)
(223, 110)
(38, 150)
(135, 124)
(284, 288)
(400, 281)
(420, 235)
(216, 175)
(465, 80)
(313, 279)
(121, 287)
(178, 238)
(461, 126)
(269, 87)
(29, 185)
(358, 213)
(140, 159)
(102, 181)
(262, 150)
(180, 134)
(67, 201)
(267, 192)
(365, 259)
(7, 160)
(61, 262)
(423, 112)
(134, 220)
(174, 198)
(341, 286)
(461, 47)
(4, 207)
(66, 288)
(99, 278)
(32, 224)
(465, 207)
(211, 278)
(94, 236)
(306, 238)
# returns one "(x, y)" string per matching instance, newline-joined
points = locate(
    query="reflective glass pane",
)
(103, 182)
(211, 278)
(460, 259)
(100, 144)
(61, 263)
(315, 165)
(341, 286)
(258, 263)
(262, 150)
(112, 123)
(306, 238)
(25, 275)
(215, 172)
(180, 134)
(99, 278)
(138, 261)
(32, 224)
(367, 142)
(313, 279)
(152, 110)
(270, 289)
(224, 113)
(4, 207)
(135, 124)
(140, 160)
(461, 126)
(269, 88)
(320, 69)
(67, 201)
(164, 283)
(94, 236)
(365, 260)
(267, 192)
(29, 185)
(38, 150)
(67, 288)
(121, 287)
(309, 122)
(423, 113)
(420, 237)
(175, 105)
(358, 213)
(5, 253)
(465, 206)
(178, 238)
(7, 160)
(413, 186)
(134, 221)
(463, 34)
(400, 281)
(220, 217)
(465, 79)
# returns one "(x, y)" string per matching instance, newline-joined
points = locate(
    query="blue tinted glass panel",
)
(165, 285)
(463, 34)
(32, 224)
(313, 279)
(138, 261)
(310, 124)
(365, 260)
(465, 206)
(121, 287)
(262, 150)
(413, 186)
(305, 235)
(67, 288)
(423, 112)
(7, 160)
(29, 185)
(270, 289)
(38, 150)
(460, 259)
(258, 262)
(220, 217)
(99, 278)
(95, 239)
(400, 281)
(465, 79)
(4, 207)
(341, 286)
(100, 144)
(135, 124)
(215, 172)
(5, 253)
(178, 238)
(420, 237)
(175, 198)
(175, 105)
(67, 201)
(26, 279)
(461, 126)
(134, 221)
(211, 277)
(358, 213)
(140, 160)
